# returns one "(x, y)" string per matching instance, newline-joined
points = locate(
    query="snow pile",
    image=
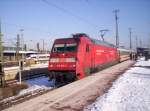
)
(40, 81)
(36, 86)
(131, 92)
(143, 63)
(33, 89)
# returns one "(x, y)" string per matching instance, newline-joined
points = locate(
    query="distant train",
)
(76, 57)
(38, 57)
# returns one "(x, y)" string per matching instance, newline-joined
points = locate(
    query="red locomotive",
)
(76, 57)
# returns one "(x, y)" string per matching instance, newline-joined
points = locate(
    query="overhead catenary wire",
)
(59, 8)
(26, 27)
(71, 14)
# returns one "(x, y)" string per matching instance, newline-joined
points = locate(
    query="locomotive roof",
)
(95, 41)
(99, 42)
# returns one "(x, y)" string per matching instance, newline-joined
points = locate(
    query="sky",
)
(50, 19)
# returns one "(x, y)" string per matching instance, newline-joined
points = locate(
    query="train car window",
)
(87, 48)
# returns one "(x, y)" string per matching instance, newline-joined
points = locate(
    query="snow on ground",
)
(142, 62)
(33, 88)
(35, 85)
(40, 81)
(131, 92)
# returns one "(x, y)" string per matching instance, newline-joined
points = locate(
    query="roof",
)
(21, 52)
(95, 41)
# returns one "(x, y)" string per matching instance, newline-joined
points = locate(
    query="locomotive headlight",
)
(50, 65)
(54, 60)
(72, 59)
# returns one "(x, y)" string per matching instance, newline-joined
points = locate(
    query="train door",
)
(92, 60)
(87, 59)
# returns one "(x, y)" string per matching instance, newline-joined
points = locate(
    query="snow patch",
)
(40, 81)
(131, 92)
(33, 88)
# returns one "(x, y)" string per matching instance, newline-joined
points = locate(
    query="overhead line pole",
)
(22, 42)
(116, 21)
(130, 34)
(17, 47)
(1, 46)
(136, 38)
(2, 76)
(43, 45)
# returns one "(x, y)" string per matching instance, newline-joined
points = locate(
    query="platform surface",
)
(76, 95)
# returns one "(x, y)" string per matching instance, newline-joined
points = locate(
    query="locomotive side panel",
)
(83, 63)
(104, 57)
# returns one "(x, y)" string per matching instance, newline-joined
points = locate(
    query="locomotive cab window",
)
(71, 47)
(65, 47)
(59, 48)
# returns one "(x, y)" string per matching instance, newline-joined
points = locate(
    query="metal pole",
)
(116, 20)
(136, 42)
(130, 38)
(17, 47)
(19, 72)
(38, 46)
(141, 43)
(1, 46)
(22, 42)
(43, 45)
(2, 76)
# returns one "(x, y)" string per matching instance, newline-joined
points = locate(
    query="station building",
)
(10, 53)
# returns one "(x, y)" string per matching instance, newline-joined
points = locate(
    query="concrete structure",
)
(30, 71)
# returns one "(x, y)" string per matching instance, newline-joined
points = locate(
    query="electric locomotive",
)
(76, 57)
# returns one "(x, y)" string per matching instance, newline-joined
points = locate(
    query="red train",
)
(76, 57)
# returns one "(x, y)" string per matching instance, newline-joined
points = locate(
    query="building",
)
(10, 53)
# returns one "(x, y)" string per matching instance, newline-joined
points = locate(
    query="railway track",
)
(8, 102)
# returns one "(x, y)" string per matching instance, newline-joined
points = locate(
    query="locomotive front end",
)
(62, 63)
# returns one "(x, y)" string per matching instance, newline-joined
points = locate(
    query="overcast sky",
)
(51, 19)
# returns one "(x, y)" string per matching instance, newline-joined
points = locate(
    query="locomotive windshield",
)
(65, 47)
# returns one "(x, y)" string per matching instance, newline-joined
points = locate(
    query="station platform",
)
(74, 96)
(11, 72)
